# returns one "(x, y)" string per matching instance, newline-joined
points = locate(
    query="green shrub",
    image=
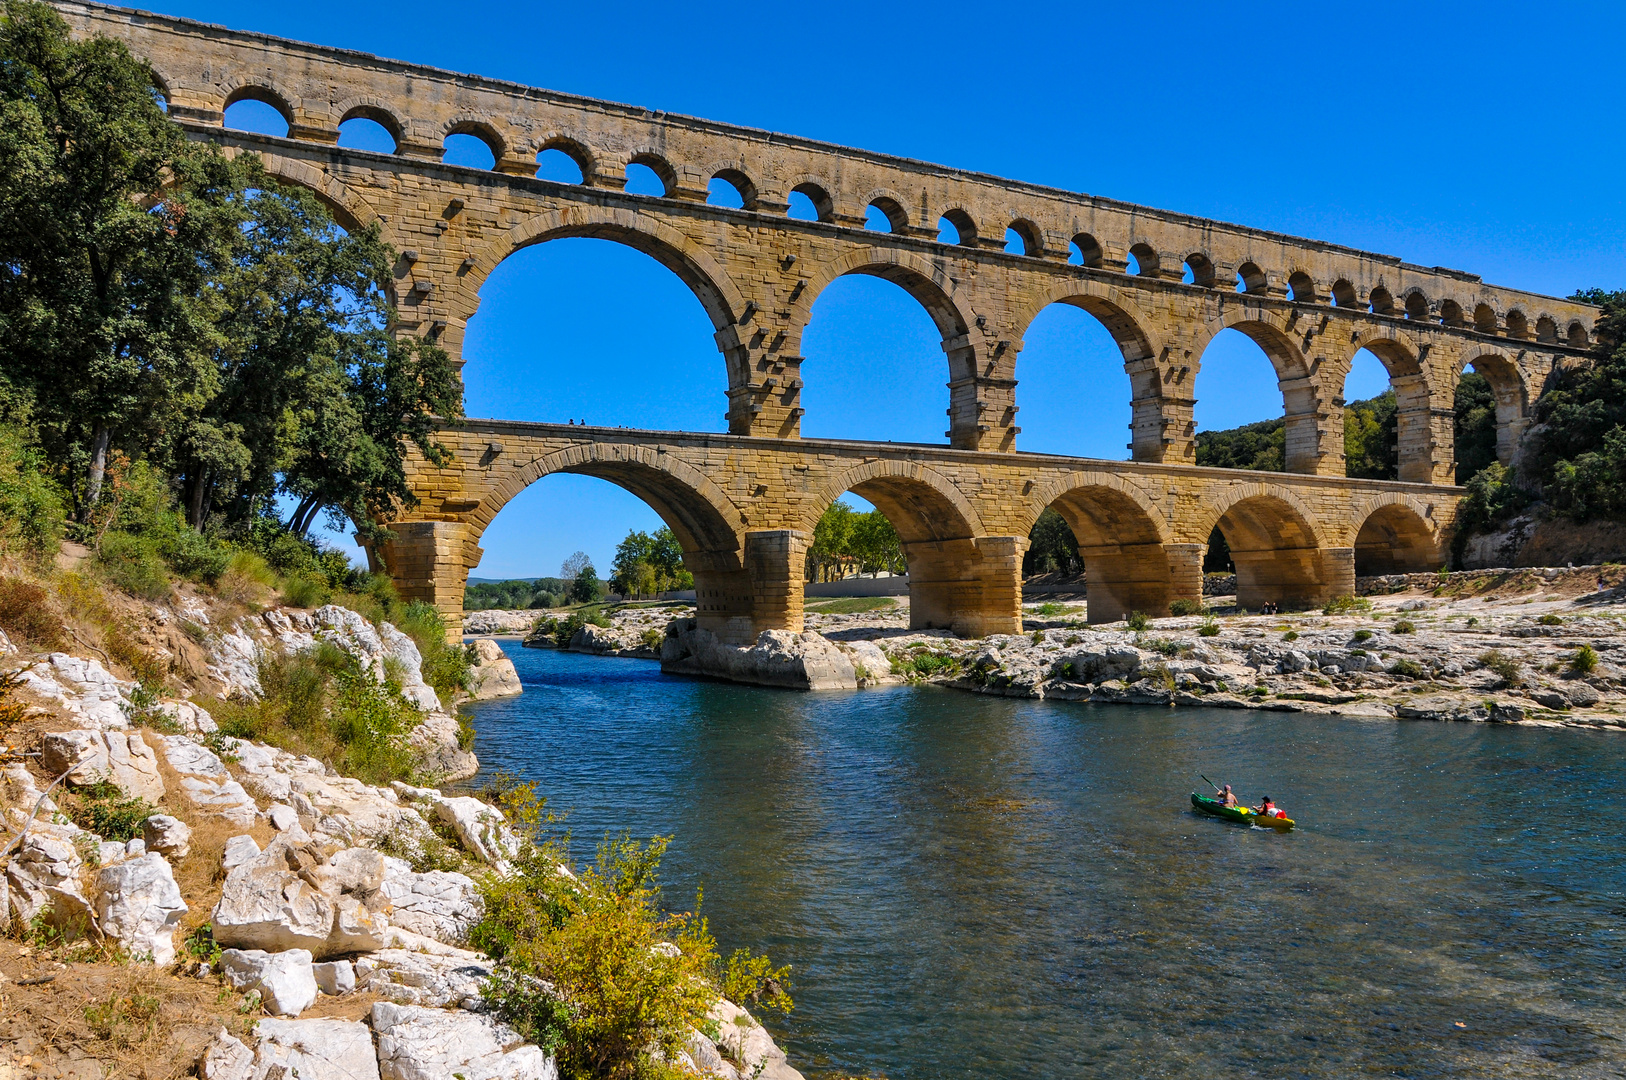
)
(103, 809)
(1409, 669)
(1550, 619)
(751, 981)
(652, 639)
(924, 663)
(1584, 660)
(132, 564)
(446, 665)
(629, 981)
(1137, 621)
(31, 511)
(1210, 627)
(1503, 665)
(426, 851)
(305, 591)
(1291, 635)
(1362, 635)
(1051, 609)
(1405, 626)
(1344, 605)
(247, 575)
(1184, 606)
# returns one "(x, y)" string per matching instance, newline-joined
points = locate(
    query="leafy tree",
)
(110, 226)
(830, 554)
(875, 543)
(585, 589)
(1051, 546)
(649, 563)
(1475, 425)
(1371, 438)
(1251, 446)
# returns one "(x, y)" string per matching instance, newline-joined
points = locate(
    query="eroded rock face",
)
(139, 905)
(492, 674)
(266, 904)
(779, 658)
(416, 978)
(426, 1044)
(749, 1044)
(315, 1050)
(437, 904)
(92, 756)
(46, 857)
(286, 983)
(168, 836)
(226, 1058)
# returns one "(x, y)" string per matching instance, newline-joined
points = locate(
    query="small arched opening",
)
(1143, 261)
(1451, 314)
(1380, 301)
(473, 146)
(1250, 279)
(1416, 306)
(1578, 338)
(810, 202)
(372, 129)
(1343, 294)
(1199, 270)
(956, 227)
(1301, 288)
(1022, 238)
(1484, 318)
(886, 215)
(732, 188)
(1547, 330)
(258, 110)
(1085, 250)
(563, 163)
(1395, 540)
(1517, 325)
(650, 174)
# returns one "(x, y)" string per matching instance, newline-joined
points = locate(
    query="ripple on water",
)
(983, 886)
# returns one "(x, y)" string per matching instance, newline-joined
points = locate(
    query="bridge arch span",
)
(920, 502)
(1395, 535)
(1277, 547)
(1121, 537)
(699, 514)
(349, 209)
(927, 280)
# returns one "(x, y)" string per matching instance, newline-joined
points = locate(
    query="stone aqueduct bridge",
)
(743, 504)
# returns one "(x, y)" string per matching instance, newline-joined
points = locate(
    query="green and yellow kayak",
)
(1242, 815)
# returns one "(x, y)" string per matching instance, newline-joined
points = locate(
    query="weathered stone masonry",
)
(963, 512)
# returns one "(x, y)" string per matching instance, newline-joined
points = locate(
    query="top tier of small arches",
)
(698, 164)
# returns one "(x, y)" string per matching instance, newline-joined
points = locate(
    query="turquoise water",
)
(973, 886)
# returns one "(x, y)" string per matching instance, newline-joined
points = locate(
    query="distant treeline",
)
(511, 595)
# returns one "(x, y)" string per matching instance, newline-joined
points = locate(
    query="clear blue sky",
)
(1471, 135)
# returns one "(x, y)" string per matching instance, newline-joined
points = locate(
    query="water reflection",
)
(982, 886)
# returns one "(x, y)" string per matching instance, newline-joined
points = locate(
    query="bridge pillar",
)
(429, 561)
(738, 599)
(1293, 577)
(1185, 570)
(972, 586)
(1427, 431)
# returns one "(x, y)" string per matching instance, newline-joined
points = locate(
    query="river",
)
(973, 886)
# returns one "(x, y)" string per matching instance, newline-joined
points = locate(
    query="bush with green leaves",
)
(1584, 661)
(1185, 606)
(1347, 605)
(1550, 619)
(1405, 626)
(1210, 627)
(105, 810)
(32, 514)
(1137, 621)
(1503, 666)
(1408, 669)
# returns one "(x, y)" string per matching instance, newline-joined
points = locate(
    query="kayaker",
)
(1266, 808)
(1227, 796)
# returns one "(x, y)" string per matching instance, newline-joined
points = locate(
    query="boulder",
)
(492, 674)
(239, 850)
(168, 836)
(480, 827)
(139, 905)
(335, 977)
(226, 1058)
(805, 661)
(416, 978)
(316, 1050)
(748, 1043)
(206, 783)
(438, 904)
(1581, 695)
(286, 983)
(191, 718)
(266, 904)
(46, 857)
(416, 1043)
(436, 738)
(92, 756)
(499, 622)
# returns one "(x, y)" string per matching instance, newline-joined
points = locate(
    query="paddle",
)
(1210, 783)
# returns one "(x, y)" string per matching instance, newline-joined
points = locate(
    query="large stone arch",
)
(921, 503)
(1395, 534)
(348, 207)
(1314, 424)
(1508, 383)
(1121, 536)
(702, 517)
(1277, 546)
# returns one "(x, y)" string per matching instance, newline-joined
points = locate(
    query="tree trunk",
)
(196, 505)
(99, 442)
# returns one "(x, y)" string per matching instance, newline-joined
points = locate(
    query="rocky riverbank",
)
(1535, 646)
(269, 917)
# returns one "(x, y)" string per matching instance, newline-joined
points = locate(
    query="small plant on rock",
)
(1137, 621)
(1584, 660)
(1347, 605)
(1361, 635)
(1407, 669)
(1550, 619)
(1210, 627)
(1291, 635)
(103, 809)
(1503, 666)
(1185, 606)
(1405, 626)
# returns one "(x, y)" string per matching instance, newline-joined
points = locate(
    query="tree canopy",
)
(647, 563)
(846, 541)
(164, 302)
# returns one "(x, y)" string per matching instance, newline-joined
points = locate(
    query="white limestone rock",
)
(46, 857)
(286, 983)
(239, 850)
(139, 905)
(438, 904)
(92, 756)
(428, 1044)
(335, 977)
(481, 828)
(805, 661)
(315, 1050)
(492, 674)
(234, 663)
(436, 739)
(226, 1058)
(498, 622)
(417, 978)
(748, 1043)
(82, 688)
(266, 904)
(168, 836)
(192, 719)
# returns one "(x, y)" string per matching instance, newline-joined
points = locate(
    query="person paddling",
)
(1227, 797)
(1266, 808)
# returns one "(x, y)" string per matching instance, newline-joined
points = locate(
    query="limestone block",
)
(480, 827)
(749, 1043)
(416, 1043)
(239, 850)
(226, 1058)
(335, 977)
(804, 661)
(286, 983)
(139, 905)
(438, 904)
(42, 860)
(356, 928)
(492, 674)
(417, 978)
(168, 836)
(192, 718)
(315, 1050)
(91, 757)
(265, 904)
